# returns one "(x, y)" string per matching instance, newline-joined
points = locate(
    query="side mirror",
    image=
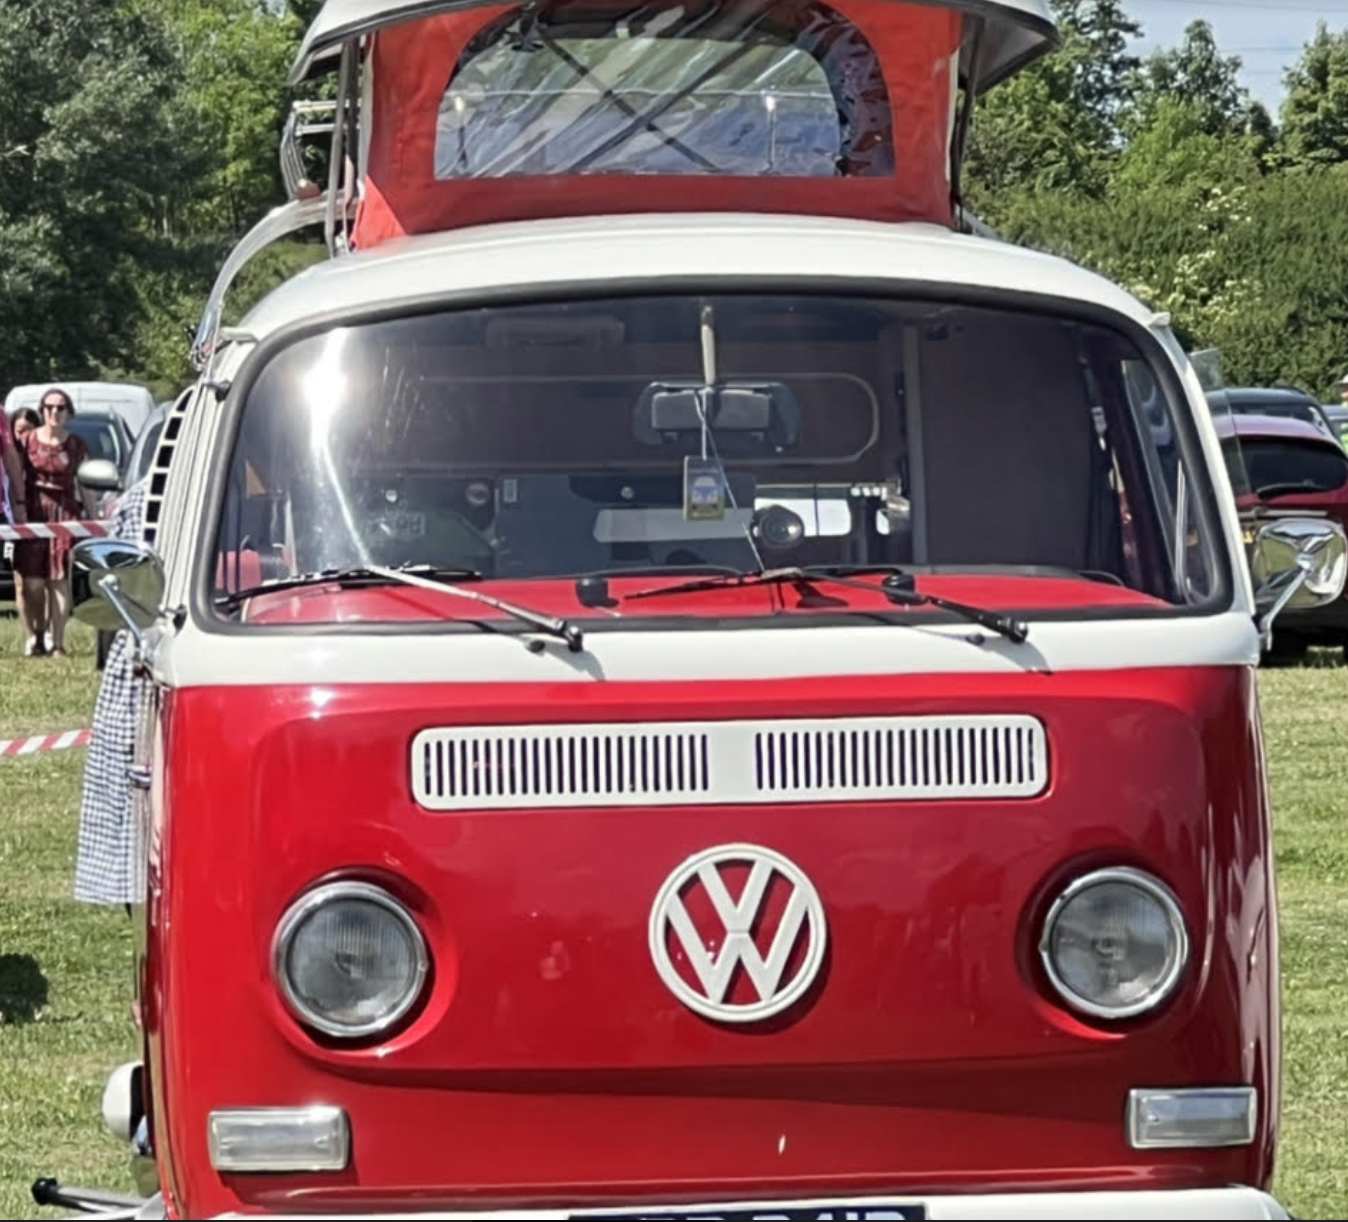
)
(1297, 563)
(100, 475)
(115, 584)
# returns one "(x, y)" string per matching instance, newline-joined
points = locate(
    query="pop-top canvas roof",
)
(1017, 32)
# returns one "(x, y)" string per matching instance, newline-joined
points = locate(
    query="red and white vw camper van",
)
(682, 681)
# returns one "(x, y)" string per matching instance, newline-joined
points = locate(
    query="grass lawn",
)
(65, 968)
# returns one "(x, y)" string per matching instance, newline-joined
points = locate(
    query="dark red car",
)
(1278, 466)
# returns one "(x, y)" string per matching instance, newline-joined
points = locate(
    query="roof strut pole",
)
(336, 170)
(960, 143)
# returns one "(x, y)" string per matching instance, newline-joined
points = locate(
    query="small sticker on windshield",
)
(703, 490)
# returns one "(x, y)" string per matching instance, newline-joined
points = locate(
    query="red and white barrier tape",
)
(52, 530)
(37, 744)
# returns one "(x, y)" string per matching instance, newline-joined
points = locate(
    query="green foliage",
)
(1183, 190)
(1315, 115)
(1197, 77)
(138, 139)
(1055, 127)
(86, 152)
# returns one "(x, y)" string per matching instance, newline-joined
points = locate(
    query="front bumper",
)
(1190, 1203)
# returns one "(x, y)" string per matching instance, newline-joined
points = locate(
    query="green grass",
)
(65, 968)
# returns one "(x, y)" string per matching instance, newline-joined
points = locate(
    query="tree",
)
(1315, 113)
(1055, 127)
(87, 156)
(1197, 76)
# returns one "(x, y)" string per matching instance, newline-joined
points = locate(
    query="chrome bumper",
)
(1217, 1203)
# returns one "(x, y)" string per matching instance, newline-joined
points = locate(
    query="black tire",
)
(1288, 649)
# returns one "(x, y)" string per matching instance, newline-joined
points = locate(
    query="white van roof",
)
(130, 400)
(1016, 32)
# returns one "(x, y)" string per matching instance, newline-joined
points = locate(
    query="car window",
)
(1289, 465)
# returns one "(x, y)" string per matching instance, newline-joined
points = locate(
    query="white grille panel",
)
(905, 758)
(698, 763)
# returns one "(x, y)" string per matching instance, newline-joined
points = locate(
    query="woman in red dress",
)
(52, 458)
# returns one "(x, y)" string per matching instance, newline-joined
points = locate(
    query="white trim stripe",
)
(192, 658)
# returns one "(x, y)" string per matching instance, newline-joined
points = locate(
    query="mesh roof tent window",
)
(785, 89)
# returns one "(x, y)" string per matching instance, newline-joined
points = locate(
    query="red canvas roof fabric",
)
(911, 50)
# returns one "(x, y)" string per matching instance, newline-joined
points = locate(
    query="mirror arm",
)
(111, 589)
(1298, 578)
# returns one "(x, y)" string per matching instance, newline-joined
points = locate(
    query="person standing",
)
(53, 456)
(13, 495)
(1343, 389)
(25, 421)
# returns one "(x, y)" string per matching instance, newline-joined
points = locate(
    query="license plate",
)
(838, 1211)
(401, 525)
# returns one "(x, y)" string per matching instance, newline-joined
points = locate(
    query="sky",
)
(1268, 35)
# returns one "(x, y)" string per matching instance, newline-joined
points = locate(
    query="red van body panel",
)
(550, 1063)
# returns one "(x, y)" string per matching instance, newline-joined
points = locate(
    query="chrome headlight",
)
(1114, 944)
(349, 960)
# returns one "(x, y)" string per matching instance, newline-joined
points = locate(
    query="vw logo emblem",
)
(773, 931)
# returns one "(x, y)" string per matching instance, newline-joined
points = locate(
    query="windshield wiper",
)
(353, 576)
(1288, 488)
(421, 577)
(898, 586)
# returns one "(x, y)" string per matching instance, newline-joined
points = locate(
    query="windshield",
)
(100, 436)
(717, 432)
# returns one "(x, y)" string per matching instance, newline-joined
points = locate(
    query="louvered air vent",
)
(159, 467)
(700, 763)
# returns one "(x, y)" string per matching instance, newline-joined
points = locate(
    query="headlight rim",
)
(311, 902)
(1170, 905)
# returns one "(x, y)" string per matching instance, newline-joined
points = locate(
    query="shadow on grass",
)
(1312, 659)
(23, 989)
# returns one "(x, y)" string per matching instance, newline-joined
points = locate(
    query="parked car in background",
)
(1277, 401)
(106, 435)
(1337, 415)
(1285, 467)
(129, 400)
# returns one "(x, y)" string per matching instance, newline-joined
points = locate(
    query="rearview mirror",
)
(745, 416)
(100, 475)
(1297, 563)
(116, 584)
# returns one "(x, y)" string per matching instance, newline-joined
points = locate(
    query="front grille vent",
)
(726, 763)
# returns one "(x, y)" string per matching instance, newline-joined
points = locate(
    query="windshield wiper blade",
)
(901, 588)
(421, 577)
(352, 576)
(553, 625)
(898, 586)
